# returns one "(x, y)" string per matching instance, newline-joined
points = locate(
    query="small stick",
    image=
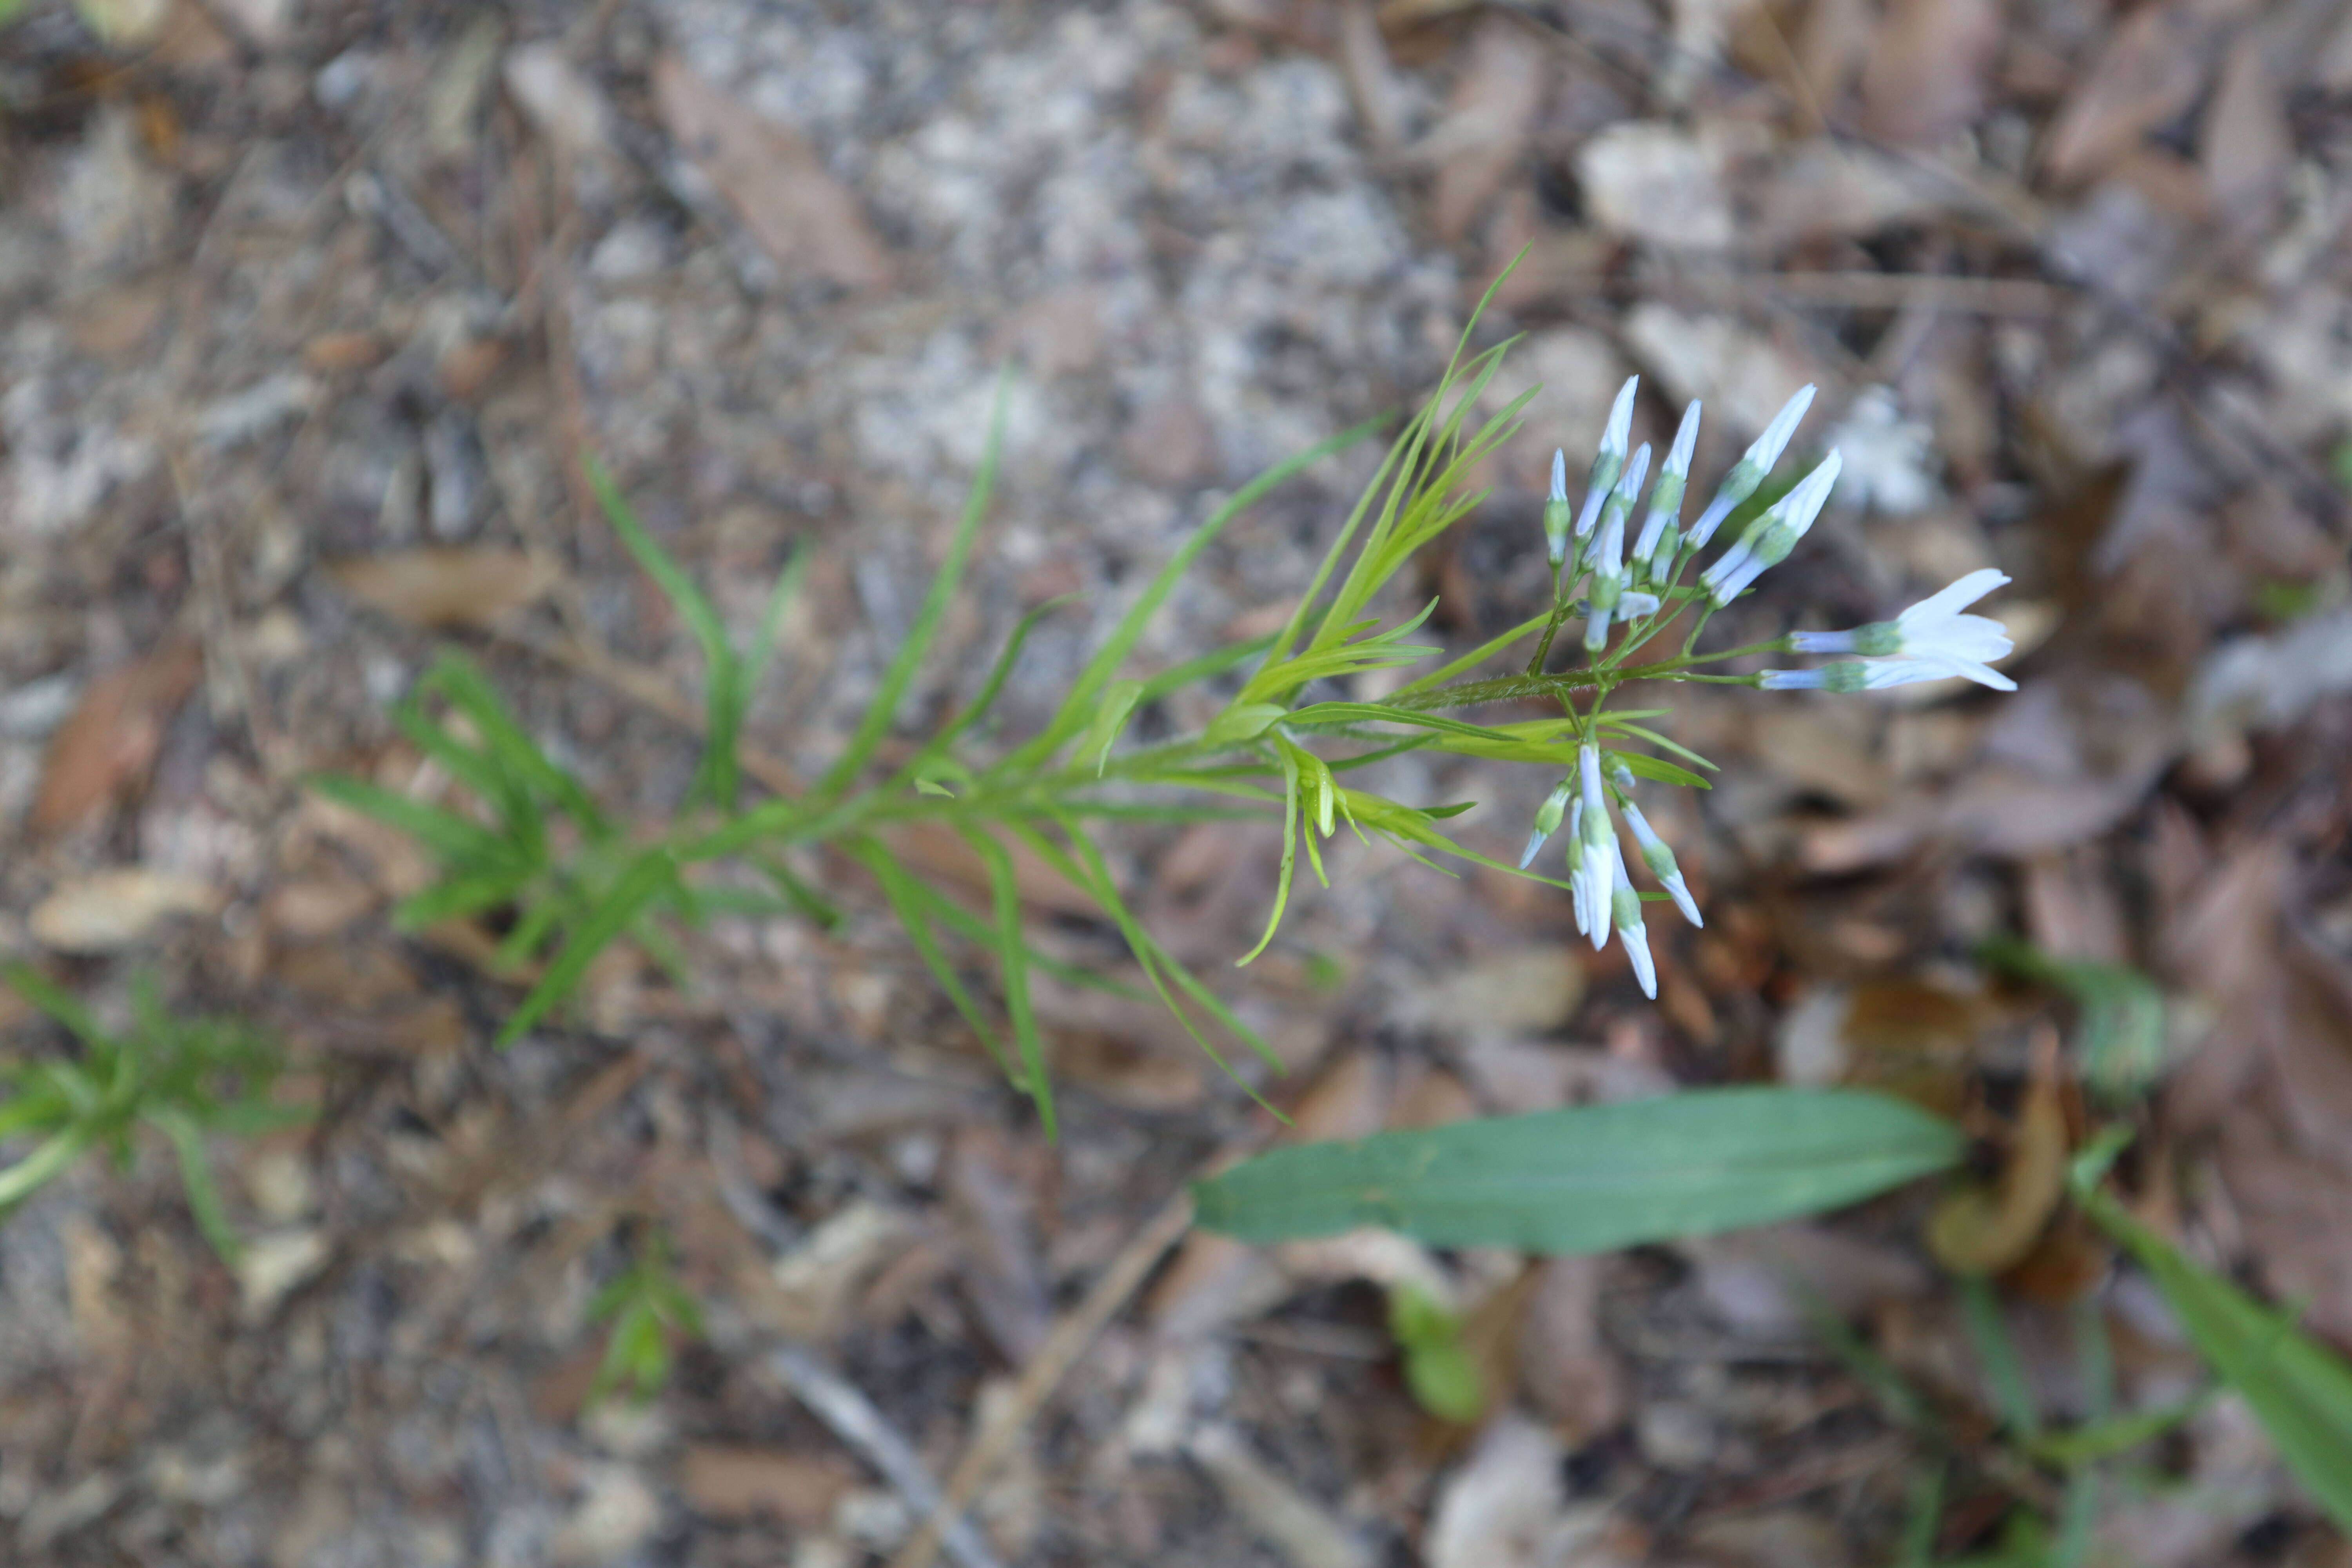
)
(838, 1403)
(1055, 1358)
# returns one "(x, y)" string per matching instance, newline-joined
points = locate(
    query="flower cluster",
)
(1639, 589)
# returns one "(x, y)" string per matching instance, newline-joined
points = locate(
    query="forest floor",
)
(306, 310)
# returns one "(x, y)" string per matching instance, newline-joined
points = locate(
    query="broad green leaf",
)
(2300, 1390)
(1591, 1178)
(880, 712)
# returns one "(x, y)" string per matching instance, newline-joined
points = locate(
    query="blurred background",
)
(304, 308)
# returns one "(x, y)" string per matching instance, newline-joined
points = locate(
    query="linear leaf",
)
(645, 879)
(1013, 960)
(2299, 1390)
(458, 842)
(1591, 1178)
(904, 892)
(722, 672)
(876, 720)
(1079, 706)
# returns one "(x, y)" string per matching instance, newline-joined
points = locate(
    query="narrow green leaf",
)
(647, 877)
(1075, 708)
(884, 708)
(1591, 1178)
(1666, 741)
(1013, 962)
(986, 697)
(905, 893)
(516, 753)
(1159, 966)
(1648, 767)
(2300, 1390)
(1292, 787)
(1997, 1357)
(26, 1177)
(59, 1004)
(1118, 704)
(460, 843)
(196, 1177)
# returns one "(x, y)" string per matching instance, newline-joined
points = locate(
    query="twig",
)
(838, 1403)
(1055, 1358)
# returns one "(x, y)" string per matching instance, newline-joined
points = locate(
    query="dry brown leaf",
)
(738, 1484)
(1924, 80)
(1481, 139)
(772, 178)
(113, 909)
(2246, 144)
(1565, 1368)
(1984, 1230)
(103, 750)
(2149, 71)
(441, 586)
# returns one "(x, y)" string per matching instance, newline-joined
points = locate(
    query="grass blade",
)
(59, 1004)
(645, 881)
(1591, 1178)
(884, 708)
(461, 844)
(905, 893)
(2300, 1390)
(1013, 960)
(1080, 705)
(722, 672)
(196, 1177)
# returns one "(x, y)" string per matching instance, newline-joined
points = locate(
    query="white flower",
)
(1661, 862)
(1667, 499)
(1608, 551)
(1556, 515)
(1595, 856)
(1625, 912)
(1611, 461)
(1770, 537)
(1576, 885)
(1752, 468)
(1931, 632)
(1876, 675)
(1546, 820)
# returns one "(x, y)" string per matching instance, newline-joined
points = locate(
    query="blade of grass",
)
(645, 881)
(1997, 1355)
(2298, 1389)
(1012, 963)
(879, 714)
(59, 1004)
(507, 742)
(1079, 706)
(187, 1142)
(904, 890)
(459, 843)
(722, 673)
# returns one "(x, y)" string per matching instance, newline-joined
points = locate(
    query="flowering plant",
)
(1286, 733)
